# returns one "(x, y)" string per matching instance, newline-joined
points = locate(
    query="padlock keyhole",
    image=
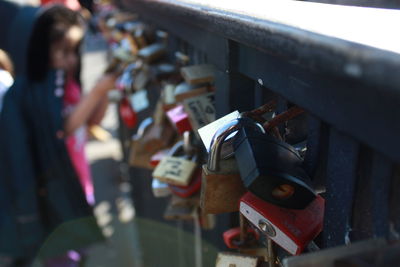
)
(283, 191)
(267, 228)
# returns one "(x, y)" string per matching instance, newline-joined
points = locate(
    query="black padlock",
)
(272, 169)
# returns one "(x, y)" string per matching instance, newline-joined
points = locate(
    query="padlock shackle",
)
(143, 126)
(220, 136)
(188, 147)
(176, 148)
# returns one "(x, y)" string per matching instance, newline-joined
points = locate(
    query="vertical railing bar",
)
(340, 184)
(382, 170)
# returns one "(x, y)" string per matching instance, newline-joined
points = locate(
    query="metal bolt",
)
(267, 228)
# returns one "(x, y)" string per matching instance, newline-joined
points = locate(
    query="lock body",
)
(272, 169)
(149, 139)
(221, 190)
(175, 170)
(290, 228)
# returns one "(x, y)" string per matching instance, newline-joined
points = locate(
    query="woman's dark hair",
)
(51, 26)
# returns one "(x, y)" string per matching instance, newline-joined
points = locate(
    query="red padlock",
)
(156, 158)
(128, 115)
(191, 189)
(232, 237)
(291, 229)
(179, 118)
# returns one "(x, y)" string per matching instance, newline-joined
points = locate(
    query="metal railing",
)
(348, 83)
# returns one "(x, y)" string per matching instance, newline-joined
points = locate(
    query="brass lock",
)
(222, 186)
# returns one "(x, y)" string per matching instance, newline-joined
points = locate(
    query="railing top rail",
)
(355, 42)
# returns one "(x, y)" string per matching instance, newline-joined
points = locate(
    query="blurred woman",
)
(42, 142)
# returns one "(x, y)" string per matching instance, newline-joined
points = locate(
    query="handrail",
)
(285, 29)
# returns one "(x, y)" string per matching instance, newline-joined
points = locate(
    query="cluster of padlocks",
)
(247, 162)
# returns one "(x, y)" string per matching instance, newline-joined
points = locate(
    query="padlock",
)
(179, 119)
(193, 187)
(128, 115)
(150, 138)
(190, 149)
(159, 136)
(201, 110)
(175, 170)
(230, 259)
(179, 212)
(160, 189)
(232, 236)
(152, 52)
(198, 74)
(272, 169)
(291, 229)
(185, 90)
(222, 186)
